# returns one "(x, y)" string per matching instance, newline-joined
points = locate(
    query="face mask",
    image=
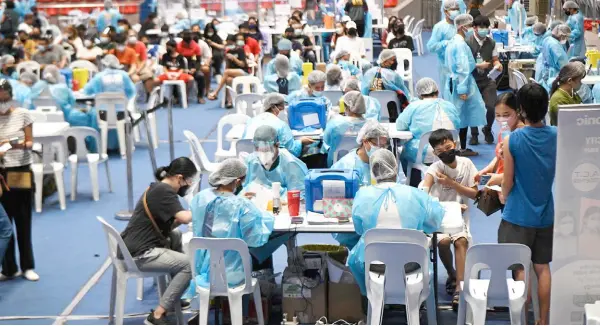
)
(252, 26)
(4, 107)
(339, 30)
(453, 13)
(394, 66)
(502, 119)
(577, 87)
(568, 12)
(164, 34)
(120, 48)
(240, 43)
(87, 43)
(104, 39)
(230, 47)
(216, 27)
(282, 73)
(317, 94)
(563, 42)
(41, 48)
(155, 21)
(448, 157)
(266, 159)
(483, 32)
(297, 32)
(566, 229)
(132, 40)
(372, 150)
(469, 32)
(238, 189)
(210, 34)
(183, 190)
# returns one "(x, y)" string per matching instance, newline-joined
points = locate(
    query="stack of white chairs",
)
(403, 55)
(54, 151)
(235, 120)
(418, 37)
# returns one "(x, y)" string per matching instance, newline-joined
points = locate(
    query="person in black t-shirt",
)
(306, 49)
(151, 235)
(401, 41)
(236, 65)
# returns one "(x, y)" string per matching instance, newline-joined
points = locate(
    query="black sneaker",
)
(151, 320)
(474, 141)
(185, 304)
(489, 137)
(467, 152)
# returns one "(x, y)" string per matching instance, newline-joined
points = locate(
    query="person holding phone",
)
(15, 168)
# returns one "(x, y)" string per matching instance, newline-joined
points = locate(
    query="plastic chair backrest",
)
(91, 68)
(108, 102)
(54, 149)
(520, 79)
(154, 98)
(216, 249)
(80, 135)
(403, 55)
(244, 146)
(38, 116)
(246, 82)
(333, 96)
(405, 19)
(409, 24)
(395, 273)
(115, 243)
(355, 59)
(29, 66)
(244, 103)
(418, 29)
(229, 119)
(396, 235)
(497, 258)
(347, 144)
(45, 99)
(46, 108)
(198, 155)
(384, 97)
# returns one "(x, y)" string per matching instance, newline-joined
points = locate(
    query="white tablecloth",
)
(45, 129)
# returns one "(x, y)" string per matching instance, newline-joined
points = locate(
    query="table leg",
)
(434, 260)
(217, 310)
(322, 48)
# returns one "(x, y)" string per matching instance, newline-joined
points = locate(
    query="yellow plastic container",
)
(593, 57)
(307, 68)
(342, 106)
(82, 76)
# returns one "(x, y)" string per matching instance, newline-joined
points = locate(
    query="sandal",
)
(450, 285)
(229, 105)
(212, 96)
(455, 301)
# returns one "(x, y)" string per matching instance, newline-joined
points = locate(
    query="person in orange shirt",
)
(127, 56)
(143, 71)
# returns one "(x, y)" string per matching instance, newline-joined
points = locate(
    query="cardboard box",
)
(344, 300)
(303, 297)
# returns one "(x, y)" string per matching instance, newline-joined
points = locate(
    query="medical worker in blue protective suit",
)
(539, 35)
(392, 81)
(464, 93)
(273, 105)
(20, 91)
(596, 93)
(334, 78)
(342, 59)
(575, 22)
(516, 16)
(553, 56)
(428, 114)
(441, 35)
(269, 163)
(316, 86)
(283, 81)
(528, 35)
(218, 212)
(284, 47)
(62, 95)
(388, 204)
(371, 137)
(373, 107)
(461, 5)
(344, 126)
(108, 17)
(29, 80)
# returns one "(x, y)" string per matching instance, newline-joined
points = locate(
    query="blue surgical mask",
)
(483, 32)
(469, 32)
(372, 150)
(317, 94)
(453, 14)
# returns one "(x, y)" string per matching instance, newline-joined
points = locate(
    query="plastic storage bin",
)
(313, 184)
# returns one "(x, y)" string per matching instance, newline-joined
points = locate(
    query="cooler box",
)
(500, 36)
(307, 113)
(313, 184)
(82, 76)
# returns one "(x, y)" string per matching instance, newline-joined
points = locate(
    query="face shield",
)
(266, 153)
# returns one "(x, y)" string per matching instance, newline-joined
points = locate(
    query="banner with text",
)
(576, 249)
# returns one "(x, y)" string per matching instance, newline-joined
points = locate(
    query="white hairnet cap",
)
(561, 30)
(271, 100)
(449, 4)
(7, 59)
(371, 130)
(111, 61)
(539, 28)
(51, 74)
(282, 65)
(355, 102)
(108, 4)
(384, 166)
(386, 55)
(265, 134)
(555, 23)
(341, 53)
(570, 5)
(531, 20)
(316, 76)
(426, 86)
(462, 20)
(334, 75)
(28, 77)
(351, 84)
(227, 172)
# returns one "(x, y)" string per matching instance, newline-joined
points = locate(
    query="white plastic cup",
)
(276, 186)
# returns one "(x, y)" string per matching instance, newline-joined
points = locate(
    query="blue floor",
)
(70, 246)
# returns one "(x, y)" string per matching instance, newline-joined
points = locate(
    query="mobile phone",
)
(484, 180)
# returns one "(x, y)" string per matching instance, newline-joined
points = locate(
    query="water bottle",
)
(479, 60)
(504, 130)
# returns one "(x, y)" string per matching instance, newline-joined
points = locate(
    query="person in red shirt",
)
(143, 72)
(252, 45)
(191, 51)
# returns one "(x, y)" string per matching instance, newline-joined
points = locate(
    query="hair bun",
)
(161, 173)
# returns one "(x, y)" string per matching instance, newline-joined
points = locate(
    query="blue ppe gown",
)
(295, 66)
(288, 170)
(294, 83)
(549, 63)
(392, 81)
(284, 133)
(442, 34)
(576, 39)
(336, 129)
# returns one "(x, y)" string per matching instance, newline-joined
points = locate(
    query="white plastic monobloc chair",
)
(45, 100)
(54, 151)
(347, 144)
(218, 278)
(136, 114)
(592, 313)
(384, 97)
(235, 121)
(29, 66)
(402, 56)
(82, 155)
(199, 156)
(396, 286)
(419, 164)
(333, 96)
(248, 104)
(167, 89)
(243, 85)
(498, 291)
(123, 270)
(418, 37)
(244, 147)
(409, 24)
(520, 79)
(109, 102)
